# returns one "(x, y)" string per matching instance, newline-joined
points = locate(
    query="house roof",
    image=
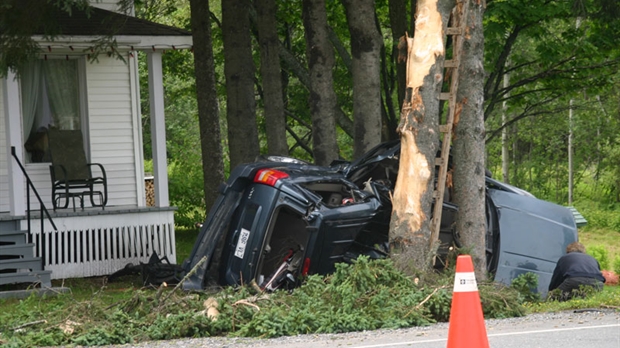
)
(99, 22)
(81, 28)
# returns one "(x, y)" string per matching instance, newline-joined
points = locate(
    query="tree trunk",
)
(295, 67)
(366, 45)
(275, 120)
(322, 100)
(419, 132)
(239, 70)
(505, 144)
(468, 145)
(208, 108)
(398, 22)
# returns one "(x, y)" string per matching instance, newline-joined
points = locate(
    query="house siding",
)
(4, 177)
(111, 135)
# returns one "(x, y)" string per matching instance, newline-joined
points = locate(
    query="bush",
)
(186, 189)
(601, 255)
(617, 264)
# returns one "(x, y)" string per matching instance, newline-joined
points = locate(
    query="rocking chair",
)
(70, 172)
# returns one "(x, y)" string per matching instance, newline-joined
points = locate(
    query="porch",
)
(95, 242)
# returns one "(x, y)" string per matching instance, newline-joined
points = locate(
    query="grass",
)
(185, 239)
(591, 236)
(96, 304)
(608, 298)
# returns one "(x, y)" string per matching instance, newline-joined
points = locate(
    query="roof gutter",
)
(124, 42)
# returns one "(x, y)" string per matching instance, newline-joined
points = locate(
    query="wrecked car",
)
(279, 219)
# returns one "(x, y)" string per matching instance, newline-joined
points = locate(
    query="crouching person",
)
(575, 274)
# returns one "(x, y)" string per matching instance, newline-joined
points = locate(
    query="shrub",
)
(601, 255)
(617, 264)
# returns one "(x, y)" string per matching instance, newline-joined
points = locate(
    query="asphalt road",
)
(570, 329)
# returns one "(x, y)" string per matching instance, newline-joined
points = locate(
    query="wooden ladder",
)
(451, 67)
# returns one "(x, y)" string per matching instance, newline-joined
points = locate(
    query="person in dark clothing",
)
(573, 271)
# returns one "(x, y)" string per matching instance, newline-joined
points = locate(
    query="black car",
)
(280, 218)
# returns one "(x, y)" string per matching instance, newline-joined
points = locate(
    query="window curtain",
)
(30, 89)
(62, 89)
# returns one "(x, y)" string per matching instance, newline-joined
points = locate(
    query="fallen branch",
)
(427, 298)
(245, 302)
(32, 323)
(189, 274)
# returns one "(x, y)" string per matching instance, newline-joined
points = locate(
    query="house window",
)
(50, 98)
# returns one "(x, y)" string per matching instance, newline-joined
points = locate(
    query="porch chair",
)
(70, 172)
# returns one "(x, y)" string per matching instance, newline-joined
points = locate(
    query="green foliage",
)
(616, 264)
(185, 238)
(365, 295)
(601, 255)
(186, 192)
(500, 301)
(601, 217)
(526, 285)
(179, 325)
(608, 298)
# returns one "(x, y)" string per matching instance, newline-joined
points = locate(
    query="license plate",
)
(242, 242)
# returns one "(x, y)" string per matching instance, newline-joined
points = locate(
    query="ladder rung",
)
(453, 31)
(444, 96)
(445, 128)
(451, 63)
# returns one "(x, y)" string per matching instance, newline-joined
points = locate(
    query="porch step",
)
(30, 263)
(43, 277)
(8, 225)
(17, 250)
(13, 237)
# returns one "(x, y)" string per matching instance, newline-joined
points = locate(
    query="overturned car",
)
(279, 218)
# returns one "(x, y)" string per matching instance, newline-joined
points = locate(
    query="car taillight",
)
(306, 268)
(269, 176)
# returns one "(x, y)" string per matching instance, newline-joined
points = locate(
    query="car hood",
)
(533, 235)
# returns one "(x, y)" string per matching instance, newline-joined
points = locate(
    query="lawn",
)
(99, 312)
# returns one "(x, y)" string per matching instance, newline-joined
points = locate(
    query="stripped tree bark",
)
(419, 133)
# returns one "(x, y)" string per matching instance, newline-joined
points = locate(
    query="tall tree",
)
(239, 70)
(419, 129)
(322, 100)
(468, 146)
(208, 107)
(398, 22)
(275, 118)
(366, 46)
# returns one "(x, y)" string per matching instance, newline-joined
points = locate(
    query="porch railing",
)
(43, 209)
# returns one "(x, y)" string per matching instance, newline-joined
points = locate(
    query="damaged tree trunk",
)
(419, 132)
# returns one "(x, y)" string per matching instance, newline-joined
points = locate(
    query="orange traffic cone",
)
(466, 328)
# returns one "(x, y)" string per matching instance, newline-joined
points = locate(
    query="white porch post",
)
(158, 129)
(12, 116)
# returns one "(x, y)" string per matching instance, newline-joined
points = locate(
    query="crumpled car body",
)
(279, 219)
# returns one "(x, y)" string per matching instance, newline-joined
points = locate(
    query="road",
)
(569, 329)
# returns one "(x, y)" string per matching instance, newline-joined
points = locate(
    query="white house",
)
(102, 99)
